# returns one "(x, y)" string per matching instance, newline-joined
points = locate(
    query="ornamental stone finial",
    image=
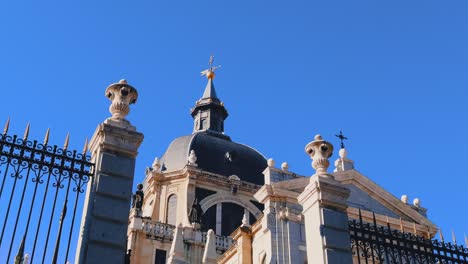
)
(417, 202)
(156, 164)
(404, 198)
(245, 222)
(319, 151)
(192, 158)
(271, 162)
(285, 166)
(122, 95)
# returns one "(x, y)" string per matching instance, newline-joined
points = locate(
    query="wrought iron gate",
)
(371, 243)
(41, 189)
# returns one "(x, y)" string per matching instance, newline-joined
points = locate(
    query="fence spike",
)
(360, 215)
(373, 219)
(7, 126)
(19, 256)
(46, 138)
(85, 148)
(441, 235)
(67, 139)
(415, 231)
(454, 238)
(26, 132)
(402, 229)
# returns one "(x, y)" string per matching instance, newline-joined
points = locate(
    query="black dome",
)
(216, 154)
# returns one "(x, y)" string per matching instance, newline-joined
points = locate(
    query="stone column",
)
(114, 146)
(324, 209)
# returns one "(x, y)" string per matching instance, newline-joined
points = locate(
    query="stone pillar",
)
(114, 146)
(324, 209)
(243, 236)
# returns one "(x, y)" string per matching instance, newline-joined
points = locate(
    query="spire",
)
(209, 112)
(210, 91)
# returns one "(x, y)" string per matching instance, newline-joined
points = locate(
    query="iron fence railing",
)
(40, 193)
(372, 243)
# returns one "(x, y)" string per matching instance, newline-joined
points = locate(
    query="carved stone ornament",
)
(284, 166)
(319, 151)
(122, 95)
(192, 158)
(156, 165)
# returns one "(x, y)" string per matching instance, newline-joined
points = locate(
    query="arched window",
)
(171, 210)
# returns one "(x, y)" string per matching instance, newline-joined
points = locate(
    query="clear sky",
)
(393, 75)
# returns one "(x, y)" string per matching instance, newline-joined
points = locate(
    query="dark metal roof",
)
(217, 154)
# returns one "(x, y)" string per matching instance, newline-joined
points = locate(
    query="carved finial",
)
(46, 137)
(428, 233)
(284, 166)
(271, 162)
(26, 132)
(156, 164)
(466, 240)
(7, 126)
(85, 147)
(192, 158)
(415, 231)
(404, 198)
(402, 229)
(67, 139)
(245, 222)
(122, 95)
(320, 151)
(417, 202)
(209, 73)
(26, 258)
(342, 138)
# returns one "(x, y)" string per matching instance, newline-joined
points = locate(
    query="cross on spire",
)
(342, 139)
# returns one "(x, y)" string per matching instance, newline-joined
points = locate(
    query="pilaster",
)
(324, 209)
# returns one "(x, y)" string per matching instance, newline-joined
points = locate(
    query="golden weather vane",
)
(209, 73)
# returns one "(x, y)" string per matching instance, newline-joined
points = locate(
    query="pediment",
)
(369, 196)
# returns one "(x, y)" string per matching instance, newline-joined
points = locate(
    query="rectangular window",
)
(160, 257)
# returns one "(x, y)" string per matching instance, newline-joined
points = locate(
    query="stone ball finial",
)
(122, 95)
(271, 162)
(156, 164)
(319, 151)
(404, 198)
(284, 166)
(343, 153)
(192, 158)
(417, 202)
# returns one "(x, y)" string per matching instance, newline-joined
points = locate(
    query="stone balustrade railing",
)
(223, 243)
(158, 230)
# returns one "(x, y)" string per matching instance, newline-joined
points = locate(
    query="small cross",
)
(210, 62)
(211, 69)
(342, 138)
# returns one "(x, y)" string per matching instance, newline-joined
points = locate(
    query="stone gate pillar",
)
(114, 146)
(324, 209)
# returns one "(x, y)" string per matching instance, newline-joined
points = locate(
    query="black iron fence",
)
(41, 189)
(371, 243)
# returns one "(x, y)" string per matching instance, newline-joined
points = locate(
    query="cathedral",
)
(210, 199)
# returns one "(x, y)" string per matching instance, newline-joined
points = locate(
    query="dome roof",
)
(216, 154)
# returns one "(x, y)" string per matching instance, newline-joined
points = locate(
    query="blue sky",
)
(391, 74)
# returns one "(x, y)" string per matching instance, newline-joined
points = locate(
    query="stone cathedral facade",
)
(209, 199)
